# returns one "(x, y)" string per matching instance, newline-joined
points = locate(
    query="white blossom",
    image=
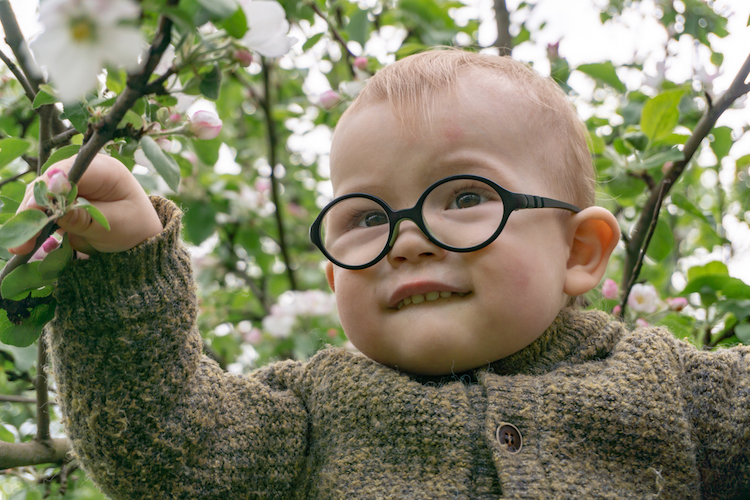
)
(267, 28)
(643, 298)
(80, 37)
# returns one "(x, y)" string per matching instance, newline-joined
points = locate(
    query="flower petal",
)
(265, 19)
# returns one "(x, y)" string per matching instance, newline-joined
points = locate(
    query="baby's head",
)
(426, 306)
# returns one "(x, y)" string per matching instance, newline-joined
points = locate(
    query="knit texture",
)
(603, 412)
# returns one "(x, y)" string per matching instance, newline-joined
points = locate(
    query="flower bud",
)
(205, 125)
(49, 245)
(361, 62)
(610, 289)
(641, 323)
(58, 181)
(677, 303)
(329, 99)
(244, 57)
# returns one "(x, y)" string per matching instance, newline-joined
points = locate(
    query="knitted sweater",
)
(601, 412)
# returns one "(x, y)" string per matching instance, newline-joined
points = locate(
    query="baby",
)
(463, 225)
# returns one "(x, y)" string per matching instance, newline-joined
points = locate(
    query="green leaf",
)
(42, 98)
(200, 220)
(358, 27)
(210, 85)
(77, 115)
(207, 151)
(22, 227)
(662, 242)
(743, 332)
(56, 260)
(660, 115)
(61, 154)
(9, 204)
(713, 267)
(40, 194)
(657, 160)
(219, 9)
(30, 328)
(722, 141)
(99, 217)
(6, 435)
(22, 279)
(312, 41)
(12, 148)
(116, 79)
(688, 206)
(163, 162)
(604, 72)
(23, 357)
(236, 24)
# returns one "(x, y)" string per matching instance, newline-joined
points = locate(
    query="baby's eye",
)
(371, 219)
(466, 200)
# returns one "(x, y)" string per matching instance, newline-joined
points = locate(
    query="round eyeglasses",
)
(461, 213)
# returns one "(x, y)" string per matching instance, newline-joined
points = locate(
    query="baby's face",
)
(503, 296)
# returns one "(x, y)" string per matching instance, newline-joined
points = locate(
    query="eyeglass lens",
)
(461, 214)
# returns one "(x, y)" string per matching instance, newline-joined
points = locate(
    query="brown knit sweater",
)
(602, 412)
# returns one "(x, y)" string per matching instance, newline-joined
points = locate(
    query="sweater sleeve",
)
(717, 393)
(148, 414)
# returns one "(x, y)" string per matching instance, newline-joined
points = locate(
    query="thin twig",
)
(42, 398)
(271, 129)
(30, 93)
(333, 29)
(62, 138)
(16, 177)
(715, 109)
(642, 254)
(15, 40)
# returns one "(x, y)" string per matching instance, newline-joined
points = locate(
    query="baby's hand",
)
(109, 186)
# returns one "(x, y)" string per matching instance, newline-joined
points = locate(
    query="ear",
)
(329, 276)
(594, 235)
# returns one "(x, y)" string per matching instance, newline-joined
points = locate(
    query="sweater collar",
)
(573, 337)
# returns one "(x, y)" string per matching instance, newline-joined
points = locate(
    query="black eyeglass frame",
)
(511, 202)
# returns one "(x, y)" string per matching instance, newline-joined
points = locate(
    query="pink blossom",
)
(49, 245)
(643, 298)
(244, 57)
(616, 311)
(677, 303)
(329, 99)
(205, 125)
(58, 181)
(361, 62)
(610, 289)
(642, 323)
(175, 118)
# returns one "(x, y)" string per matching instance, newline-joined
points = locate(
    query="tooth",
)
(400, 305)
(445, 295)
(430, 296)
(417, 299)
(407, 301)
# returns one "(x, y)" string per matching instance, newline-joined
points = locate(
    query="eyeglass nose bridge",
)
(413, 214)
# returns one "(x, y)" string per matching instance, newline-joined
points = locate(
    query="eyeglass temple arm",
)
(531, 201)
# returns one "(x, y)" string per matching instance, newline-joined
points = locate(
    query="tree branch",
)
(30, 92)
(504, 41)
(650, 211)
(62, 138)
(42, 396)
(271, 128)
(33, 453)
(336, 35)
(15, 40)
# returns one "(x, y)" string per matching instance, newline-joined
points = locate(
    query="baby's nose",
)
(410, 244)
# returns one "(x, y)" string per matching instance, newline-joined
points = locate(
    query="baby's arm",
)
(717, 393)
(148, 414)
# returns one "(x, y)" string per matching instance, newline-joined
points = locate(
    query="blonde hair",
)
(414, 87)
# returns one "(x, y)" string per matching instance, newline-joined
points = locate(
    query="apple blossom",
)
(616, 310)
(643, 298)
(677, 303)
(610, 289)
(361, 62)
(81, 36)
(642, 323)
(58, 182)
(329, 99)
(205, 125)
(267, 28)
(244, 57)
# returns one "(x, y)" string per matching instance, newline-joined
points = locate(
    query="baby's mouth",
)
(428, 297)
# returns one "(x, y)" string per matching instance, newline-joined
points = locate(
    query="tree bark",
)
(504, 41)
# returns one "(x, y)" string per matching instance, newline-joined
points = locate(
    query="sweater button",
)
(509, 437)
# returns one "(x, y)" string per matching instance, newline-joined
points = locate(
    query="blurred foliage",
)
(249, 313)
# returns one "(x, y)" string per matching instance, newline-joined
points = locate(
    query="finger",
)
(105, 179)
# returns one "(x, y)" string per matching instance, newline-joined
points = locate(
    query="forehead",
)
(483, 124)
